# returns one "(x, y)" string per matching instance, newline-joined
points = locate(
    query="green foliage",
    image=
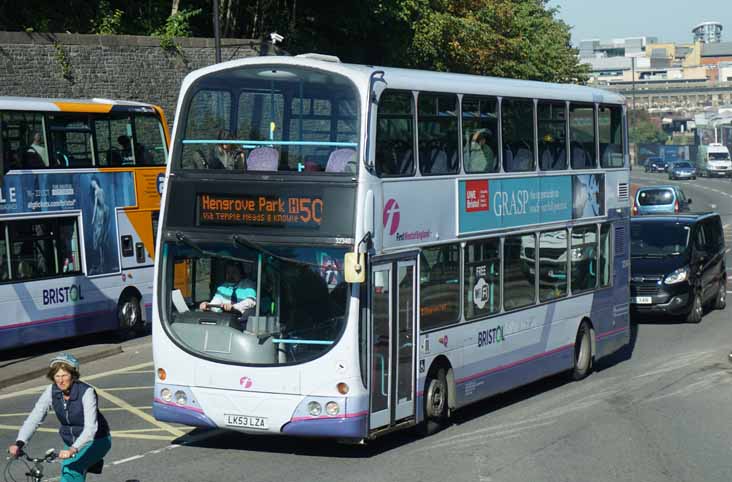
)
(177, 25)
(505, 38)
(508, 38)
(109, 20)
(642, 130)
(63, 62)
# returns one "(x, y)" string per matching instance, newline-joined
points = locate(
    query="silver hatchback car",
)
(660, 199)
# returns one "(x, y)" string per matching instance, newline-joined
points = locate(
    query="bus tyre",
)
(720, 301)
(435, 403)
(697, 309)
(582, 353)
(129, 315)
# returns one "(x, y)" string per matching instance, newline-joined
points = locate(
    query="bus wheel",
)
(435, 403)
(129, 315)
(582, 352)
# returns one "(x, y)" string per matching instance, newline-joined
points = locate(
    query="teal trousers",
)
(74, 469)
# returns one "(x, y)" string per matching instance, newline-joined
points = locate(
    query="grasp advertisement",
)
(486, 204)
(95, 194)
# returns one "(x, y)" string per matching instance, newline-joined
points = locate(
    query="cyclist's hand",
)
(204, 306)
(227, 306)
(13, 450)
(66, 454)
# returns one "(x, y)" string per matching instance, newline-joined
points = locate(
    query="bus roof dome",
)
(323, 57)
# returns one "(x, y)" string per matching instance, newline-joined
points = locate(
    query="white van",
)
(714, 160)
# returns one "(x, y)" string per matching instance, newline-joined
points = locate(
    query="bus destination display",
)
(261, 210)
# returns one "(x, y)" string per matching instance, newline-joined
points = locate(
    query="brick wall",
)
(115, 67)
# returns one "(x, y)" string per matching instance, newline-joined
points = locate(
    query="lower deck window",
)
(519, 270)
(482, 278)
(39, 248)
(439, 283)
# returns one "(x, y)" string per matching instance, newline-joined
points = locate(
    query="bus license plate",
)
(643, 300)
(246, 421)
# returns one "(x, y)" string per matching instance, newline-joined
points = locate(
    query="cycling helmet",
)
(67, 358)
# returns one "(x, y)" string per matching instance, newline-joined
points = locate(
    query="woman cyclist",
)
(84, 430)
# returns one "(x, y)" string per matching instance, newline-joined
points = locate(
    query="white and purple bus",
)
(80, 189)
(417, 241)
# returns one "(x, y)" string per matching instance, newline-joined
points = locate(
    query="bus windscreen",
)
(255, 305)
(265, 118)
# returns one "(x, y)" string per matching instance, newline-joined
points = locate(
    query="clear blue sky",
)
(668, 20)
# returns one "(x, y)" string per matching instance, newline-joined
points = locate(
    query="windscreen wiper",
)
(248, 243)
(204, 252)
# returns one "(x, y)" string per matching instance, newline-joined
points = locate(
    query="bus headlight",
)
(181, 398)
(332, 409)
(166, 394)
(314, 409)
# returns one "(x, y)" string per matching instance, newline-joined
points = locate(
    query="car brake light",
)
(635, 209)
(676, 206)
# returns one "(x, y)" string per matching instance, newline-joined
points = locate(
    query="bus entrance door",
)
(393, 324)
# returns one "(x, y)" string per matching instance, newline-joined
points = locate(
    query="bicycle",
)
(34, 465)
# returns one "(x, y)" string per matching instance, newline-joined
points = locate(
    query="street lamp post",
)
(217, 35)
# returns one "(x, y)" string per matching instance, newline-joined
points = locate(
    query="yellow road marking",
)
(139, 430)
(120, 409)
(31, 391)
(122, 434)
(40, 429)
(148, 418)
(127, 389)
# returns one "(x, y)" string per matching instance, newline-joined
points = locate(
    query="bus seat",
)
(580, 157)
(550, 158)
(341, 160)
(24, 270)
(263, 159)
(32, 160)
(523, 160)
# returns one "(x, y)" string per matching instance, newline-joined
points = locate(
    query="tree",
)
(505, 38)
(642, 129)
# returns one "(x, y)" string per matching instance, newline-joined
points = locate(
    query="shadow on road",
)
(19, 355)
(229, 440)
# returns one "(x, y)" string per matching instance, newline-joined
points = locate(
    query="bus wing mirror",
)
(355, 267)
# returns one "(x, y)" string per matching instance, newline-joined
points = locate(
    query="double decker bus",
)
(413, 242)
(80, 189)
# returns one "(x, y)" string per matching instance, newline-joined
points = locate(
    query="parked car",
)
(660, 199)
(682, 170)
(655, 164)
(677, 265)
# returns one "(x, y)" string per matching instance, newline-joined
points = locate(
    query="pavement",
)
(20, 365)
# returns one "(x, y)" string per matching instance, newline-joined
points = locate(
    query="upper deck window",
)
(395, 134)
(552, 124)
(438, 134)
(23, 140)
(582, 132)
(610, 123)
(517, 116)
(71, 141)
(267, 118)
(480, 134)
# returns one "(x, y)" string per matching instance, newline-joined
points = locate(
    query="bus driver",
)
(236, 292)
